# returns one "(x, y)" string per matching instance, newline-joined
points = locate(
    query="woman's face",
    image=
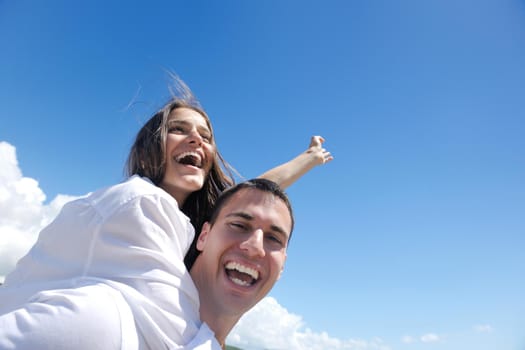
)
(189, 153)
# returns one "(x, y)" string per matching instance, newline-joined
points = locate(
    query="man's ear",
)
(201, 241)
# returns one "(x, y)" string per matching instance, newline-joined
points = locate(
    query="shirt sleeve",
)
(140, 252)
(147, 237)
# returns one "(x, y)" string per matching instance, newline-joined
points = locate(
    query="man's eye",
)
(275, 239)
(238, 226)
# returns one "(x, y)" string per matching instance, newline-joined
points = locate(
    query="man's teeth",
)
(240, 282)
(244, 269)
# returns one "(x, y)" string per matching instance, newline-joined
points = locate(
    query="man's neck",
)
(221, 325)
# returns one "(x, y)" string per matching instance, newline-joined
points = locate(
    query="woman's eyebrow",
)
(201, 128)
(177, 121)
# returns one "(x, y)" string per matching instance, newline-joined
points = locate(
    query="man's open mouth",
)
(241, 275)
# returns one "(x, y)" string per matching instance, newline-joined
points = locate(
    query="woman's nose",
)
(195, 137)
(254, 244)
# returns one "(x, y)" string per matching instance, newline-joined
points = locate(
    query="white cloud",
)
(407, 339)
(425, 338)
(23, 210)
(270, 326)
(483, 328)
(430, 338)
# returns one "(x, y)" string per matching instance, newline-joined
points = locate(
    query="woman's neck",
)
(175, 193)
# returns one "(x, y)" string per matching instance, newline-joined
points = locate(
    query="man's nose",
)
(254, 244)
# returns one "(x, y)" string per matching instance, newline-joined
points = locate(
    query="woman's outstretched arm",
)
(289, 172)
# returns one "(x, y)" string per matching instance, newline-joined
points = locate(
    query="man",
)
(243, 250)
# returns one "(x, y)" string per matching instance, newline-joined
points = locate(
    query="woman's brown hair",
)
(148, 153)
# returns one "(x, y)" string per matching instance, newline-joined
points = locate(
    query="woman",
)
(108, 272)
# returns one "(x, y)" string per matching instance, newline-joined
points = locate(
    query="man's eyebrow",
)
(246, 216)
(241, 214)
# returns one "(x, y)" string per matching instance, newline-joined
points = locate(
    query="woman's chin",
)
(193, 183)
(183, 185)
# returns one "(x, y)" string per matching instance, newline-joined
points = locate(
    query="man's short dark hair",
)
(257, 184)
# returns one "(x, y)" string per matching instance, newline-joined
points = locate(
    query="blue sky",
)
(411, 238)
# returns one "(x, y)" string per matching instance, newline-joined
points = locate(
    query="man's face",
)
(243, 253)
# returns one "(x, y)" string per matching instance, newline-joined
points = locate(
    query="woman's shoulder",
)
(109, 199)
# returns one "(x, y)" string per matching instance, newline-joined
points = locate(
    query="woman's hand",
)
(320, 154)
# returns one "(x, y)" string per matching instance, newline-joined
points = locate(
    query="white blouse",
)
(107, 273)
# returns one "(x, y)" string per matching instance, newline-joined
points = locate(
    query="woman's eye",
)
(176, 129)
(206, 138)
